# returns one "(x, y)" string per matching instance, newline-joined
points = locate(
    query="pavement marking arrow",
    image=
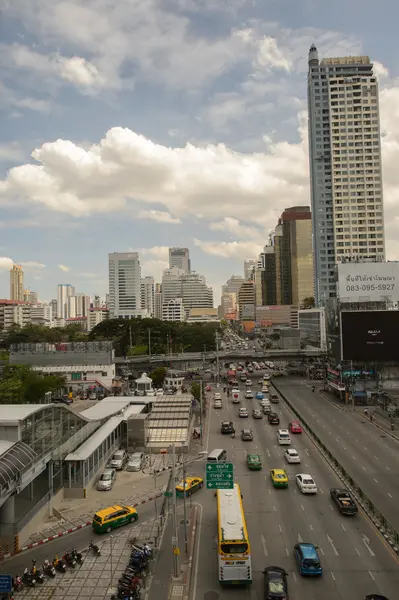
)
(300, 540)
(332, 545)
(262, 538)
(366, 542)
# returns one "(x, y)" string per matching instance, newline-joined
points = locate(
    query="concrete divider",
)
(385, 528)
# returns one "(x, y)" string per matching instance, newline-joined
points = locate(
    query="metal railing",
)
(378, 519)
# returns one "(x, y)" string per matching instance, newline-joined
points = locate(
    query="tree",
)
(21, 385)
(308, 302)
(158, 376)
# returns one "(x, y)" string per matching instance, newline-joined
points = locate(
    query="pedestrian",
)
(366, 412)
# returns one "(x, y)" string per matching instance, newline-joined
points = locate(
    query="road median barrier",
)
(379, 521)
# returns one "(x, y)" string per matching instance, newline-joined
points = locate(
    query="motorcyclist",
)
(313, 388)
(233, 434)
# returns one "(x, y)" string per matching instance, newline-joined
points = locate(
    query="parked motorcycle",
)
(48, 569)
(69, 559)
(59, 564)
(95, 549)
(36, 573)
(76, 555)
(17, 583)
(28, 578)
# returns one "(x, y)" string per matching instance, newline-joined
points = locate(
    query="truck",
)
(344, 501)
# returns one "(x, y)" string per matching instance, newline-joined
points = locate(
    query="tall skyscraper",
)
(124, 285)
(294, 256)
(190, 287)
(64, 291)
(158, 301)
(249, 266)
(345, 165)
(17, 283)
(147, 290)
(180, 258)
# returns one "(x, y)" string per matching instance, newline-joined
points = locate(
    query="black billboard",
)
(370, 335)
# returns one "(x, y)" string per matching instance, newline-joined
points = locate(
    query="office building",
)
(312, 325)
(64, 291)
(41, 314)
(77, 306)
(345, 165)
(265, 278)
(14, 312)
(173, 310)
(246, 301)
(294, 256)
(180, 258)
(54, 308)
(147, 290)
(17, 283)
(124, 285)
(190, 287)
(171, 284)
(249, 266)
(158, 301)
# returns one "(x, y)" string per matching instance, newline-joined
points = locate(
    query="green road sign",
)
(168, 494)
(219, 476)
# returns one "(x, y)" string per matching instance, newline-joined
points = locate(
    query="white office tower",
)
(77, 306)
(180, 258)
(124, 285)
(64, 291)
(190, 287)
(158, 301)
(345, 166)
(147, 289)
(249, 266)
(171, 284)
(173, 310)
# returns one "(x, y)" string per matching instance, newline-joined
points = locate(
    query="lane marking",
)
(294, 576)
(286, 551)
(300, 540)
(262, 539)
(321, 490)
(268, 453)
(343, 527)
(307, 451)
(197, 553)
(330, 541)
(357, 551)
(372, 576)
(366, 542)
(332, 575)
(353, 457)
(387, 468)
(310, 527)
(302, 506)
(364, 468)
(376, 458)
(321, 550)
(389, 495)
(280, 528)
(375, 480)
(331, 506)
(336, 439)
(274, 508)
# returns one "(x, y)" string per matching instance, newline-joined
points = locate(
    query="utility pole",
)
(175, 539)
(217, 356)
(200, 401)
(185, 509)
(149, 344)
(352, 385)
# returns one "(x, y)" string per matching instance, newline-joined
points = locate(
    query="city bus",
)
(234, 553)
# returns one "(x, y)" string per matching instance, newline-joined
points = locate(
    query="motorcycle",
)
(48, 569)
(145, 549)
(76, 555)
(36, 573)
(95, 549)
(69, 559)
(59, 564)
(17, 583)
(28, 578)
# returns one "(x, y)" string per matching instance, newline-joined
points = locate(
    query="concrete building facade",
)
(124, 285)
(345, 165)
(180, 258)
(17, 283)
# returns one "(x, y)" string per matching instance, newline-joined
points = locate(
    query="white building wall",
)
(124, 285)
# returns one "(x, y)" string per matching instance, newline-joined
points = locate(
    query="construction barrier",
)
(16, 543)
(378, 519)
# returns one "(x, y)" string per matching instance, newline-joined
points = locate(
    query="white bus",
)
(234, 553)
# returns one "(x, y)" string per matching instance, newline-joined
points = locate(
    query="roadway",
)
(355, 559)
(79, 539)
(368, 454)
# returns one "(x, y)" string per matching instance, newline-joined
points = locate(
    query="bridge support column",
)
(7, 521)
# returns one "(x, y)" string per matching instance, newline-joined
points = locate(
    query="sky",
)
(133, 125)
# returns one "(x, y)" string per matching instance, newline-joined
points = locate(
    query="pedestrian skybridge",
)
(13, 464)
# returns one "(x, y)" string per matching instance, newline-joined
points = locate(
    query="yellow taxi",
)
(279, 478)
(107, 519)
(191, 485)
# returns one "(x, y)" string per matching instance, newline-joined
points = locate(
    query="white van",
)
(217, 456)
(283, 437)
(235, 396)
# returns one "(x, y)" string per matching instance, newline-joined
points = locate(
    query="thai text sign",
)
(368, 282)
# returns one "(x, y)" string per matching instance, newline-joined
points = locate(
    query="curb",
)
(67, 532)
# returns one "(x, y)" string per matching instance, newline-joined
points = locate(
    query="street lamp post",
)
(175, 539)
(185, 509)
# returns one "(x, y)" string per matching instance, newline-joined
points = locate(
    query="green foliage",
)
(20, 385)
(165, 337)
(274, 336)
(137, 351)
(308, 302)
(35, 334)
(158, 376)
(196, 390)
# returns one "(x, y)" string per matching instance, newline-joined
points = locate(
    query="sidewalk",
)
(97, 577)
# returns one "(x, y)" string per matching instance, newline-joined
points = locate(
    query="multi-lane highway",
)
(370, 456)
(356, 561)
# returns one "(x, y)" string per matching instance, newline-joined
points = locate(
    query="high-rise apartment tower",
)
(16, 283)
(345, 166)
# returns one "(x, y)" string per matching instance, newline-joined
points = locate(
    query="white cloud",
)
(270, 56)
(237, 250)
(6, 263)
(64, 268)
(381, 71)
(158, 215)
(157, 252)
(11, 152)
(203, 182)
(32, 265)
(234, 226)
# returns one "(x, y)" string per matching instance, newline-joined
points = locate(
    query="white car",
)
(264, 402)
(249, 395)
(217, 396)
(306, 484)
(243, 412)
(217, 404)
(292, 456)
(265, 389)
(261, 381)
(283, 437)
(248, 382)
